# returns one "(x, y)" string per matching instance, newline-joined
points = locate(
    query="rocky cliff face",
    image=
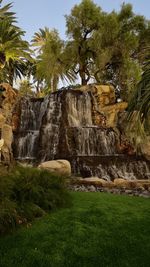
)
(7, 100)
(79, 125)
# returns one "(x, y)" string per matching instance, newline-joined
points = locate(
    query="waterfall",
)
(79, 109)
(61, 126)
(93, 141)
(26, 140)
(111, 167)
(50, 129)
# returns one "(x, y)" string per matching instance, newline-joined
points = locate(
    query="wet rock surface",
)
(78, 126)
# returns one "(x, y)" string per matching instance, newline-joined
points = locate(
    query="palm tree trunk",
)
(54, 83)
(11, 76)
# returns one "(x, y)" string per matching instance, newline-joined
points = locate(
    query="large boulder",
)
(61, 167)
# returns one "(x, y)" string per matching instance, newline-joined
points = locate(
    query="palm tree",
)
(5, 13)
(14, 51)
(38, 42)
(51, 65)
(139, 105)
(40, 38)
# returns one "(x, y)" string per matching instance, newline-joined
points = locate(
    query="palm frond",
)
(139, 107)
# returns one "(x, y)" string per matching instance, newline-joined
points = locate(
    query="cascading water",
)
(94, 141)
(26, 139)
(61, 126)
(111, 167)
(49, 135)
(79, 109)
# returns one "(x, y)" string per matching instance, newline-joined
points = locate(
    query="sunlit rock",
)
(61, 167)
(7, 101)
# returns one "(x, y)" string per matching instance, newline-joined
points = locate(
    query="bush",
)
(26, 193)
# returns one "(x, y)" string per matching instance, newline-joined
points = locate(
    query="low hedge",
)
(26, 193)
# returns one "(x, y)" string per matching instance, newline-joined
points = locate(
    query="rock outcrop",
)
(81, 126)
(105, 108)
(7, 101)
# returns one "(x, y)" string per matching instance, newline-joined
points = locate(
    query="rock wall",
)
(8, 99)
(104, 107)
(80, 125)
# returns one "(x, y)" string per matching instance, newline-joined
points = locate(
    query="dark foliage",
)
(26, 193)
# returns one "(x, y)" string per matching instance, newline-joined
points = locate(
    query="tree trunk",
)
(82, 73)
(54, 83)
(83, 81)
(11, 76)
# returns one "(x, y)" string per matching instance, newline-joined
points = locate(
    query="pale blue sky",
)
(35, 14)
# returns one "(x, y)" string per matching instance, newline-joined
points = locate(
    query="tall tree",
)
(106, 47)
(14, 51)
(39, 39)
(5, 15)
(38, 42)
(51, 64)
(83, 21)
(123, 67)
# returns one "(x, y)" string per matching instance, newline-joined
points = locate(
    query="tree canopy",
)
(51, 65)
(14, 51)
(84, 20)
(106, 47)
(100, 47)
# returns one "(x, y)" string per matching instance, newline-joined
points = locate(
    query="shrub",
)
(26, 193)
(8, 215)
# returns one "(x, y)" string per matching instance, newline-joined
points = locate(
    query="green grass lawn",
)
(98, 230)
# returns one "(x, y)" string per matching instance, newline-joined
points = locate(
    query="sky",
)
(35, 14)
